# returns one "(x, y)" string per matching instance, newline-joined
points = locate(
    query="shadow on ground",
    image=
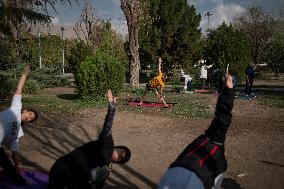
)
(229, 183)
(53, 136)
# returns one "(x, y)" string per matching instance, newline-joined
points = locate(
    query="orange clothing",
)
(157, 81)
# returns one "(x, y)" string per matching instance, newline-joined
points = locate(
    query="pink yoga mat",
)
(150, 104)
(39, 180)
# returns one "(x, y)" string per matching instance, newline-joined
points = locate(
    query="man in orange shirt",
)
(158, 81)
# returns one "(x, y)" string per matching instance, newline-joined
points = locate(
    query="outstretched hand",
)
(22, 80)
(229, 80)
(110, 96)
(26, 69)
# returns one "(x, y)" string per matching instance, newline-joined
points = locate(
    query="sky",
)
(221, 10)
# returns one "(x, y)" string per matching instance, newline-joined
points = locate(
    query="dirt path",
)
(254, 145)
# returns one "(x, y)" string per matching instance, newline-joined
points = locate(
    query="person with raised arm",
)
(157, 85)
(11, 121)
(202, 163)
(91, 163)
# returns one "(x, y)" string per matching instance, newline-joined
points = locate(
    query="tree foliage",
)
(258, 27)
(227, 45)
(274, 51)
(14, 13)
(170, 30)
(98, 73)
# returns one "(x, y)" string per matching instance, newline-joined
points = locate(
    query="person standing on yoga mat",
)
(11, 121)
(91, 163)
(155, 83)
(202, 163)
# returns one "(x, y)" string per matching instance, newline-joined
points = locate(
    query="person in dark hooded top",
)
(90, 164)
(202, 163)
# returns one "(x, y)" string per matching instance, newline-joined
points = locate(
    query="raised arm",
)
(208, 67)
(22, 80)
(106, 131)
(181, 70)
(160, 66)
(223, 117)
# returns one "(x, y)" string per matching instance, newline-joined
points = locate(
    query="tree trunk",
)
(130, 9)
(134, 60)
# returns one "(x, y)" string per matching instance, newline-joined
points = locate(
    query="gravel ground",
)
(254, 145)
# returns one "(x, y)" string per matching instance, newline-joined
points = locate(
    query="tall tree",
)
(132, 12)
(258, 27)
(88, 21)
(226, 45)
(171, 31)
(274, 53)
(14, 13)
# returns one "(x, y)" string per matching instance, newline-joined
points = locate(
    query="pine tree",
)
(171, 31)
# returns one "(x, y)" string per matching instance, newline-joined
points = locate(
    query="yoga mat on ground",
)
(39, 180)
(201, 91)
(149, 104)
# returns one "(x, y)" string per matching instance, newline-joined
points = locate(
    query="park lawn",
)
(197, 106)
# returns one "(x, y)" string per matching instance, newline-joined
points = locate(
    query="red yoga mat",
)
(39, 180)
(201, 91)
(150, 104)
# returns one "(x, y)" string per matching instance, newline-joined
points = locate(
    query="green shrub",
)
(78, 53)
(8, 87)
(49, 80)
(31, 86)
(7, 54)
(98, 73)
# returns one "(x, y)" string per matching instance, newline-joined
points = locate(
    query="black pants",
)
(10, 169)
(249, 83)
(203, 83)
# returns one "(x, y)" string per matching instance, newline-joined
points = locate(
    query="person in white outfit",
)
(11, 121)
(187, 80)
(203, 73)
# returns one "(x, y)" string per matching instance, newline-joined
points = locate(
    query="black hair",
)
(31, 110)
(125, 158)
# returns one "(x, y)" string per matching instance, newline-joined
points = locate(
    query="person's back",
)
(10, 121)
(89, 164)
(79, 163)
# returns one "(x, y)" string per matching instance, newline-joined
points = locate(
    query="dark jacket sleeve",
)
(223, 117)
(105, 141)
(106, 131)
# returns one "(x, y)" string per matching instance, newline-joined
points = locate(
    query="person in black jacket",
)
(90, 164)
(202, 163)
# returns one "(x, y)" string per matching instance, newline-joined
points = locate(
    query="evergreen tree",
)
(227, 45)
(170, 30)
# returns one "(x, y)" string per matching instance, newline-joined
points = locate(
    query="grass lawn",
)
(194, 105)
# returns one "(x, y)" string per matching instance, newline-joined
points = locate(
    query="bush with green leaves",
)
(39, 78)
(48, 77)
(227, 45)
(7, 54)
(78, 52)
(98, 73)
(9, 85)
